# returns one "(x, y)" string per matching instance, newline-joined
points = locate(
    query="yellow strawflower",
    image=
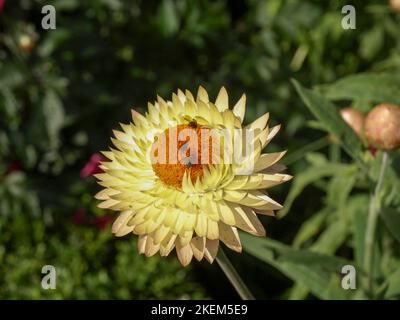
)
(175, 177)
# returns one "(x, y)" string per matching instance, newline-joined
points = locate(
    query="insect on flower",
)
(188, 174)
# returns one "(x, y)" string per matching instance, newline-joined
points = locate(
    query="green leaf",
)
(168, 18)
(10, 76)
(372, 42)
(54, 113)
(391, 186)
(317, 272)
(329, 116)
(298, 292)
(391, 217)
(358, 208)
(372, 87)
(10, 108)
(393, 285)
(66, 5)
(53, 41)
(310, 227)
(307, 177)
(300, 152)
(339, 190)
(332, 238)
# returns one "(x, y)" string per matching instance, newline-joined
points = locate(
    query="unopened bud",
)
(395, 5)
(26, 43)
(355, 119)
(382, 126)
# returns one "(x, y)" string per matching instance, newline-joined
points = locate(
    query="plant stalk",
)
(374, 209)
(233, 276)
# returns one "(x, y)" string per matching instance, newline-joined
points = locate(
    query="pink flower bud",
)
(395, 5)
(79, 216)
(382, 126)
(13, 166)
(93, 166)
(102, 222)
(355, 119)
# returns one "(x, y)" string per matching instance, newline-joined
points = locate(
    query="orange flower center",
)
(179, 150)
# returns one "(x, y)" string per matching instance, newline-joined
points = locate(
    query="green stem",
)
(335, 153)
(373, 213)
(233, 276)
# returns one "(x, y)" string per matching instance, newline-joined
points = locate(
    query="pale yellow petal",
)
(211, 250)
(120, 227)
(202, 95)
(276, 168)
(273, 133)
(181, 96)
(108, 154)
(185, 253)
(180, 222)
(178, 104)
(230, 237)
(248, 221)
(160, 234)
(240, 108)
(210, 208)
(270, 180)
(198, 245)
(105, 194)
(142, 244)
(185, 237)
(212, 230)
(267, 160)
(189, 95)
(201, 225)
(151, 248)
(222, 101)
(168, 244)
(255, 199)
(189, 222)
(259, 123)
(225, 213)
(171, 217)
(239, 182)
(138, 119)
(108, 204)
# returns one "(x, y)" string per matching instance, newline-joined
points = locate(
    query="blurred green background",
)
(62, 92)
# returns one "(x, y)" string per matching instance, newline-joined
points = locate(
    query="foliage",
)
(88, 263)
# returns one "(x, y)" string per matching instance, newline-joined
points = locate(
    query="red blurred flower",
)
(2, 2)
(14, 165)
(92, 167)
(372, 150)
(102, 222)
(79, 216)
